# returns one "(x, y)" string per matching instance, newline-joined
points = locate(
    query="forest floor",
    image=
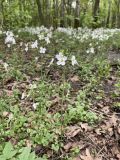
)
(73, 115)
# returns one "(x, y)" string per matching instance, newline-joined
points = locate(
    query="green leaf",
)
(55, 147)
(25, 154)
(2, 158)
(8, 148)
(12, 154)
(8, 151)
(32, 156)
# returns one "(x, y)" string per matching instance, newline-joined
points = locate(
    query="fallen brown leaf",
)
(74, 79)
(77, 158)
(68, 146)
(106, 109)
(88, 155)
(98, 131)
(72, 131)
(85, 127)
(110, 131)
(118, 129)
(9, 93)
(113, 120)
(115, 151)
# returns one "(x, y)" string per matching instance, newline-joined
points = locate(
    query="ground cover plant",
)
(59, 94)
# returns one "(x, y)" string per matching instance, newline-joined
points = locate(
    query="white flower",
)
(33, 86)
(47, 40)
(58, 56)
(23, 96)
(42, 50)
(9, 33)
(74, 4)
(51, 62)
(36, 58)
(6, 66)
(21, 43)
(74, 61)
(41, 37)
(90, 44)
(8, 45)
(10, 116)
(34, 44)
(10, 38)
(88, 51)
(35, 105)
(61, 59)
(91, 50)
(49, 35)
(26, 47)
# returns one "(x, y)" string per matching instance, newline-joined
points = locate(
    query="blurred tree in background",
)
(64, 13)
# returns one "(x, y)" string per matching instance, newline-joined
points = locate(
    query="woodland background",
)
(63, 13)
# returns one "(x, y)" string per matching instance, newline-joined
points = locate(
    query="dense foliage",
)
(63, 13)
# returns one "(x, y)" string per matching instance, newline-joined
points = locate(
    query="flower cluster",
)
(42, 50)
(90, 50)
(61, 59)
(45, 37)
(34, 44)
(9, 40)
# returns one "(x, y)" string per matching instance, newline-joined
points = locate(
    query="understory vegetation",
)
(59, 94)
(59, 13)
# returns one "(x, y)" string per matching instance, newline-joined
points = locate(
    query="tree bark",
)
(41, 17)
(47, 19)
(1, 15)
(118, 14)
(62, 20)
(69, 13)
(77, 14)
(108, 17)
(96, 11)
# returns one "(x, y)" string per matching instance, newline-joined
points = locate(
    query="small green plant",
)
(79, 111)
(118, 85)
(116, 106)
(9, 153)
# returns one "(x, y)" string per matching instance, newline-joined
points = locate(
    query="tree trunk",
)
(69, 13)
(55, 13)
(62, 20)
(1, 15)
(41, 17)
(96, 11)
(118, 14)
(77, 15)
(47, 14)
(108, 17)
